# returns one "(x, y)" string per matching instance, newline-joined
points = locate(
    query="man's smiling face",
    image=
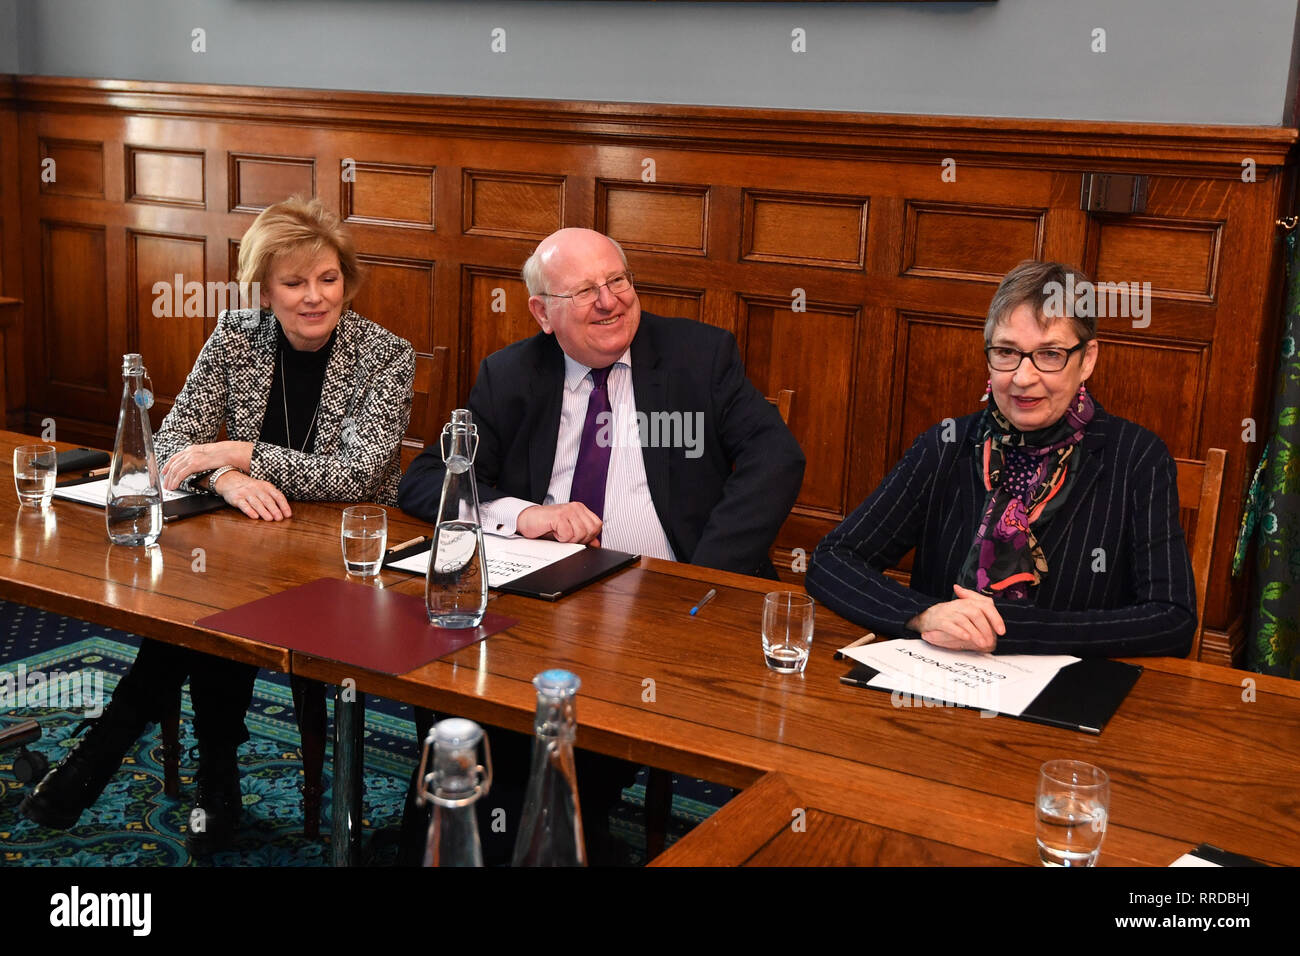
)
(596, 334)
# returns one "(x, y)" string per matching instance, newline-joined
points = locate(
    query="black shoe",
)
(76, 783)
(215, 816)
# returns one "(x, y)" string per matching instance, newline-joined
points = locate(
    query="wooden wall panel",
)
(76, 295)
(897, 264)
(170, 341)
(810, 353)
(656, 217)
(967, 241)
(77, 170)
(495, 315)
(943, 373)
(401, 291)
(1180, 259)
(828, 231)
(390, 194)
(1159, 387)
(257, 181)
(13, 368)
(511, 204)
(662, 300)
(166, 177)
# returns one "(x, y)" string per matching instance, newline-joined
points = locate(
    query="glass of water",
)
(35, 468)
(787, 630)
(365, 535)
(1072, 809)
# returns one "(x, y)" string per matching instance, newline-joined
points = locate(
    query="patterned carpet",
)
(135, 824)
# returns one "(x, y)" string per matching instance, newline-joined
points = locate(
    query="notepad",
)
(508, 558)
(1057, 690)
(176, 504)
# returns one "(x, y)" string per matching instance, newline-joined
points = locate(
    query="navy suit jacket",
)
(1119, 579)
(721, 510)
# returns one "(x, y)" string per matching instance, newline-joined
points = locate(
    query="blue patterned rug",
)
(135, 824)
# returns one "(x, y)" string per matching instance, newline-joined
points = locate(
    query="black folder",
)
(1212, 854)
(1082, 696)
(569, 574)
(78, 461)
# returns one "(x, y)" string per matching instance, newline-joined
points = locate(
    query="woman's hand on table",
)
(253, 496)
(200, 458)
(970, 623)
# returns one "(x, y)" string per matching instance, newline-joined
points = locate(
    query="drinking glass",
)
(365, 535)
(787, 631)
(35, 468)
(1072, 808)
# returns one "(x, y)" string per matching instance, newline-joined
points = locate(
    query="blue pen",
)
(713, 592)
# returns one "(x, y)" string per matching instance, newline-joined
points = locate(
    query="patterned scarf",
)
(1027, 476)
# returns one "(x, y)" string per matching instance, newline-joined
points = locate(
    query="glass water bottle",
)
(454, 785)
(550, 832)
(134, 506)
(456, 584)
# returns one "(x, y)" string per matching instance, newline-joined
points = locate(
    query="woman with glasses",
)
(1041, 524)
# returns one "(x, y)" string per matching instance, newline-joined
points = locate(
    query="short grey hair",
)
(532, 270)
(1040, 284)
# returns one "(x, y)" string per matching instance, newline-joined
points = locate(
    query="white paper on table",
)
(508, 558)
(96, 493)
(1007, 684)
(1191, 859)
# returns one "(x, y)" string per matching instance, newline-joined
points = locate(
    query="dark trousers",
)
(221, 690)
(601, 781)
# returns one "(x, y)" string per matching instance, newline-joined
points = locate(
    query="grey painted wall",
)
(8, 36)
(1203, 61)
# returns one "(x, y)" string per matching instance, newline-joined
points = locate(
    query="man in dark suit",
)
(720, 470)
(615, 427)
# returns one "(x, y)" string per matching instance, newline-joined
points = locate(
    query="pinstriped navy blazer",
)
(1124, 502)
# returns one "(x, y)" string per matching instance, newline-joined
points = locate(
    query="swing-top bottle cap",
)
(457, 733)
(132, 362)
(557, 683)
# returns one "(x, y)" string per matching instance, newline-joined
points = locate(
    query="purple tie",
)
(593, 457)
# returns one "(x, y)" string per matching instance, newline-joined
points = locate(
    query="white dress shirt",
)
(630, 521)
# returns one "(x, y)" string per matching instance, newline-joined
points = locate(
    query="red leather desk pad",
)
(351, 623)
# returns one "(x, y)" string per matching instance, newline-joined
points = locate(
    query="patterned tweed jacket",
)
(365, 407)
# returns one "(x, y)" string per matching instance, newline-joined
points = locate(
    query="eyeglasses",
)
(1003, 359)
(590, 293)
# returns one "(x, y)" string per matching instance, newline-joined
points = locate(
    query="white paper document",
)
(1006, 684)
(96, 493)
(507, 558)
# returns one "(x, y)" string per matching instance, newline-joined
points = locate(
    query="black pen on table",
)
(713, 592)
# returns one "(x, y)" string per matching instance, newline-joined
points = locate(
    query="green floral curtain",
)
(1273, 511)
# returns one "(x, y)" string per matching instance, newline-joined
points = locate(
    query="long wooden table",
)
(1197, 753)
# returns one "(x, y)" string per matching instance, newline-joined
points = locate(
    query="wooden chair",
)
(1199, 487)
(309, 695)
(659, 783)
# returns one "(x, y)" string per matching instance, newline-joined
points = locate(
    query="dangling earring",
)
(988, 390)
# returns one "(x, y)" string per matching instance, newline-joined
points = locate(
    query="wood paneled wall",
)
(728, 215)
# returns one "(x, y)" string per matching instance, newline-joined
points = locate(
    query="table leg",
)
(349, 761)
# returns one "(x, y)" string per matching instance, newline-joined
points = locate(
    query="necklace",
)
(284, 398)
